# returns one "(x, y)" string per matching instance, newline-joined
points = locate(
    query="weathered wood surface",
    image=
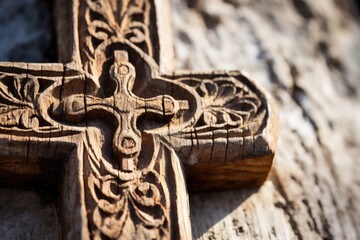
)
(306, 54)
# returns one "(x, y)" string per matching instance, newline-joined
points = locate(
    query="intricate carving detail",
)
(25, 102)
(229, 107)
(125, 189)
(18, 101)
(123, 106)
(129, 204)
(18, 95)
(116, 21)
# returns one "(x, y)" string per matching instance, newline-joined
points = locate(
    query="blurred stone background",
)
(27, 31)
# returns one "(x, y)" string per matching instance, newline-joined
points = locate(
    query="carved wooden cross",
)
(122, 133)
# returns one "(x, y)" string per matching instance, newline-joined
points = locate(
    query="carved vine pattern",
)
(18, 96)
(125, 195)
(227, 104)
(117, 21)
(136, 200)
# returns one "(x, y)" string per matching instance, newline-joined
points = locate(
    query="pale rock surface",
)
(26, 31)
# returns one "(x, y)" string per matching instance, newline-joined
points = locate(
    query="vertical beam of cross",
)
(121, 131)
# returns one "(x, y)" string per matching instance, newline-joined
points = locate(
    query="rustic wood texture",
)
(122, 136)
(307, 53)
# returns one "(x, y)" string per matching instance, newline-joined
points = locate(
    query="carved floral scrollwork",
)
(227, 104)
(18, 95)
(129, 205)
(127, 196)
(118, 20)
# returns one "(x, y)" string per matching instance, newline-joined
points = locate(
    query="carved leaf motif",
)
(226, 104)
(18, 94)
(25, 102)
(117, 20)
(127, 203)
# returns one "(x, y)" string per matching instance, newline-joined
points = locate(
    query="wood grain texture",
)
(307, 53)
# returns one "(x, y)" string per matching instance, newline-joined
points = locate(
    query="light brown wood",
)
(127, 136)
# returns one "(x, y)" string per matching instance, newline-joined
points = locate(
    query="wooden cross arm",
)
(232, 138)
(31, 147)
